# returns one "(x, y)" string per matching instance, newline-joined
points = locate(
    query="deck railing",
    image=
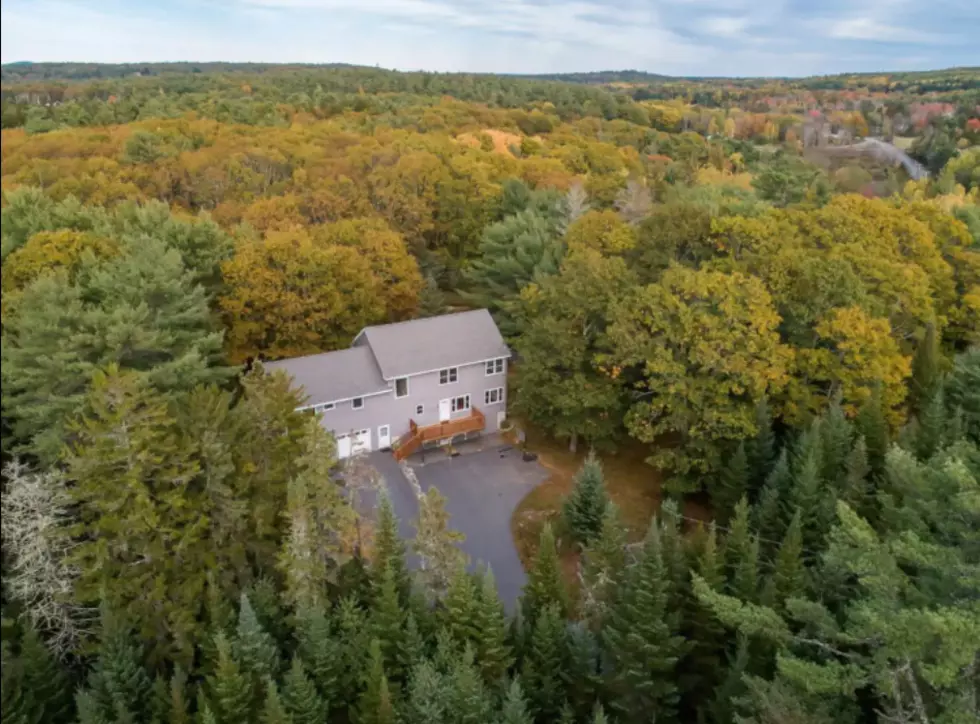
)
(417, 435)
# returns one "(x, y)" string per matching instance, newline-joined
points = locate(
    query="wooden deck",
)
(417, 436)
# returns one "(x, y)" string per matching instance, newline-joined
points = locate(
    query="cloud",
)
(679, 37)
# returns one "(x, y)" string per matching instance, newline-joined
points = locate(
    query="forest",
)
(704, 270)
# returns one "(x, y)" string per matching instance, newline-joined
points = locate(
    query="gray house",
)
(403, 385)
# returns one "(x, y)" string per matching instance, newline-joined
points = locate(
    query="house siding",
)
(425, 390)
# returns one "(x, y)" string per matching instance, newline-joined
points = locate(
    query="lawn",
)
(633, 485)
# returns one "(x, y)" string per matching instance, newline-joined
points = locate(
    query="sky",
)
(673, 37)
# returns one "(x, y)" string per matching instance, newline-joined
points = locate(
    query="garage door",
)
(343, 446)
(361, 442)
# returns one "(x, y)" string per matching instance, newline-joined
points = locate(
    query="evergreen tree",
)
(375, 705)
(599, 715)
(493, 655)
(232, 694)
(300, 698)
(768, 513)
(762, 448)
(428, 700)
(582, 678)
(789, 572)
(544, 662)
(514, 710)
(460, 605)
(641, 640)
(43, 688)
(170, 699)
(320, 653)
(721, 707)
(437, 545)
(119, 686)
(810, 493)
(584, 507)
(389, 549)
(602, 566)
(414, 647)
(854, 490)
(273, 711)
(932, 419)
(89, 710)
(353, 635)
(254, 649)
(963, 391)
(388, 622)
(469, 701)
(733, 483)
(836, 440)
(545, 585)
(873, 426)
(926, 370)
(742, 570)
(432, 300)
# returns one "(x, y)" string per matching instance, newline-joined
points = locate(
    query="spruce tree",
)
(493, 654)
(319, 650)
(469, 700)
(436, 545)
(582, 679)
(932, 419)
(873, 426)
(810, 493)
(836, 434)
(584, 507)
(273, 712)
(375, 705)
(428, 700)
(599, 715)
(119, 684)
(745, 578)
(641, 641)
(414, 646)
(254, 649)
(855, 490)
(300, 698)
(388, 622)
(544, 662)
(545, 585)
(738, 544)
(389, 549)
(230, 690)
(789, 572)
(732, 485)
(722, 705)
(514, 709)
(767, 515)
(354, 638)
(460, 605)
(44, 686)
(762, 448)
(602, 567)
(170, 699)
(926, 369)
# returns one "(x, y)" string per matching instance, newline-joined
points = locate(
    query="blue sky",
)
(677, 37)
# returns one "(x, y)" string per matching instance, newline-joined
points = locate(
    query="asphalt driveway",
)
(482, 490)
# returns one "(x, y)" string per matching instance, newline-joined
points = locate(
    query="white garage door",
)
(362, 442)
(343, 446)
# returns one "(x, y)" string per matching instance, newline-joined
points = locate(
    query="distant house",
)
(404, 385)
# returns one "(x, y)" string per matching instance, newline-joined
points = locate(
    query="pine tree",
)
(926, 369)
(582, 679)
(836, 435)
(375, 705)
(171, 702)
(231, 691)
(388, 622)
(854, 490)
(873, 426)
(432, 301)
(545, 585)
(437, 545)
(584, 507)
(673, 550)
(265, 599)
(811, 494)
(493, 655)
(44, 686)
(762, 448)
(745, 580)
(319, 650)
(460, 605)
(119, 685)
(469, 699)
(733, 483)
(514, 710)
(768, 513)
(414, 647)
(300, 698)
(273, 711)
(721, 708)
(789, 571)
(602, 566)
(738, 544)
(428, 700)
(254, 649)
(641, 640)
(353, 635)
(932, 419)
(545, 660)
(599, 715)
(89, 710)
(389, 549)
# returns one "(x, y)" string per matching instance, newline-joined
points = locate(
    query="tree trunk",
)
(573, 443)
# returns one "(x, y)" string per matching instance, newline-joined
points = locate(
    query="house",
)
(410, 383)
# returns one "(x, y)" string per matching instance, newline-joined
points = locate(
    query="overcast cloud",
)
(675, 37)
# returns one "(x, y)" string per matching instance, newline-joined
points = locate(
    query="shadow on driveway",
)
(482, 490)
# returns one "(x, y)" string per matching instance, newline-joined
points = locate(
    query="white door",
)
(343, 447)
(384, 437)
(445, 410)
(362, 442)
(501, 416)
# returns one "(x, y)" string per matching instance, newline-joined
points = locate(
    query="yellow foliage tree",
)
(602, 231)
(288, 295)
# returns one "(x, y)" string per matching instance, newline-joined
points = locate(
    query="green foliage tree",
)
(732, 483)
(603, 562)
(230, 690)
(585, 506)
(493, 653)
(545, 586)
(389, 549)
(375, 705)
(300, 698)
(514, 709)
(544, 661)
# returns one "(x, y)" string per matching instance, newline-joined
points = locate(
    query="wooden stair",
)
(413, 440)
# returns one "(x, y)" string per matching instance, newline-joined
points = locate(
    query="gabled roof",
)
(434, 343)
(334, 376)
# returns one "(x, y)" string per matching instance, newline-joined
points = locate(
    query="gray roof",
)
(425, 345)
(334, 376)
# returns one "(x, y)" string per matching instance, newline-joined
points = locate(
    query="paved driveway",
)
(482, 490)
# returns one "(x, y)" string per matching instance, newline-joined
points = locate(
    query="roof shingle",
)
(334, 376)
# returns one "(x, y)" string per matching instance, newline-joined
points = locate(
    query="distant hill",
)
(601, 77)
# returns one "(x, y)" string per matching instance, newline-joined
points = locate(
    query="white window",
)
(493, 396)
(461, 403)
(357, 403)
(448, 375)
(419, 409)
(401, 387)
(495, 366)
(323, 407)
